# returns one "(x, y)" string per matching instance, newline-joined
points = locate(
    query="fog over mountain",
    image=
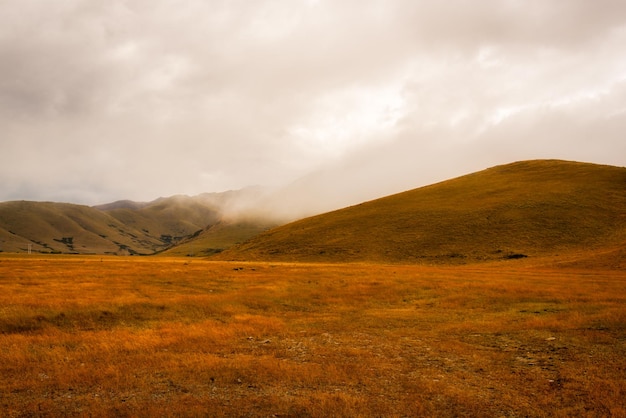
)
(351, 100)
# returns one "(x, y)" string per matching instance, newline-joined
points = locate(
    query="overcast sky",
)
(108, 100)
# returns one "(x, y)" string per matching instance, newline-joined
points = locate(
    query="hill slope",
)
(169, 219)
(67, 228)
(218, 237)
(529, 208)
(123, 227)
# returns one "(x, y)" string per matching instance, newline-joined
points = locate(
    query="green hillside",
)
(525, 209)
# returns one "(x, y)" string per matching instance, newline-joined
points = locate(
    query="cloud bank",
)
(137, 99)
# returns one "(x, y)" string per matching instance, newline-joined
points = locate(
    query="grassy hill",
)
(123, 227)
(218, 237)
(169, 219)
(525, 209)
(67, 228)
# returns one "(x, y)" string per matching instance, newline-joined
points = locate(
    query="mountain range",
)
(121, 228)
(527, 209)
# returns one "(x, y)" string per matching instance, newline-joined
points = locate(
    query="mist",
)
(327, 104)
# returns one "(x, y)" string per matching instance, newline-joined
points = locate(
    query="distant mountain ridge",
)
(123, 227)
(525, 209)
(122, 204)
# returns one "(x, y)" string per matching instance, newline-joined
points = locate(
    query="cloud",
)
(138, 99)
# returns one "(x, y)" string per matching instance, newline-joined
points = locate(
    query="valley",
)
(525, 209)
(498, 293)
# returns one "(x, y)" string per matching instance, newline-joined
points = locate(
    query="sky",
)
(344, 100)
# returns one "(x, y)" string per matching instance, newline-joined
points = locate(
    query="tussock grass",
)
(168, 337)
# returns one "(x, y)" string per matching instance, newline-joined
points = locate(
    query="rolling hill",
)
(219, 237)
(123, 227)
(169, 219)
(49, 227)
(526, 209)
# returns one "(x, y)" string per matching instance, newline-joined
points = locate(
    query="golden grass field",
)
(129, 336)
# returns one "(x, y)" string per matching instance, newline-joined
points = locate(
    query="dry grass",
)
(65, 228)
(91, 336)
(530, 208)
(218, 237)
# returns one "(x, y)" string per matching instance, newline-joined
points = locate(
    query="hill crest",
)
(525, 209)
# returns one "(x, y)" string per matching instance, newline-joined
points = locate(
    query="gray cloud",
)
(137, 99)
